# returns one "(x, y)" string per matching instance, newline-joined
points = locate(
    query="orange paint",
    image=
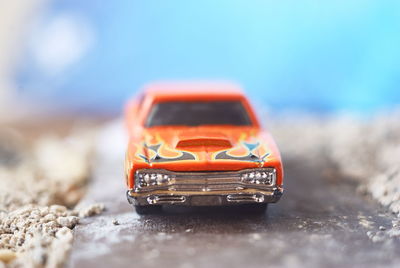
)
(197, 148)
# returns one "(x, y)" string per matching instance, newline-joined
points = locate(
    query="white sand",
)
(34, 231)
(367, 151)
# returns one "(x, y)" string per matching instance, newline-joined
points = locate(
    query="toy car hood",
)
(205, 148)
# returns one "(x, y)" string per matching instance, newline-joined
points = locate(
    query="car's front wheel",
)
(146, 210)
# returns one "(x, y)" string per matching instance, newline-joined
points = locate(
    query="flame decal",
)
(247, 155)
(156, 153)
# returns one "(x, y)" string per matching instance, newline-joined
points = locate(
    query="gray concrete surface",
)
(320, 222)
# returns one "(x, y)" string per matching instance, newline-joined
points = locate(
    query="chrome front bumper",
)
(205, 189)
(201, 199)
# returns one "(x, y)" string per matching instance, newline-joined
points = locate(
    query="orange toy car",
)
(200, 145)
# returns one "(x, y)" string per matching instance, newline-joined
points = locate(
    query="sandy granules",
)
(40, 182)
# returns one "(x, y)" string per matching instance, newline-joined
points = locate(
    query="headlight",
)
(261, 176)
(149, 178)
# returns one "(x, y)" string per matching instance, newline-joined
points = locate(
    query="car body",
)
(198, 144)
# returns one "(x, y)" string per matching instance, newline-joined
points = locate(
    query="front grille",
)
(207, 181)
(203, 182)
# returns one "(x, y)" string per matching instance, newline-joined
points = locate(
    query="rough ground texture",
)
(34, 177)
(367, 151)
(325, 218)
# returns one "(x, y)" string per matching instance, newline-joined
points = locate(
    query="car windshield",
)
(196, 113)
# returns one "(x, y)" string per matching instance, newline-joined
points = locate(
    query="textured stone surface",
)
(39, 184)
(365, 150)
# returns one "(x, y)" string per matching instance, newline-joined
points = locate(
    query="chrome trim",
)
(204, 199)
(204, 181)
(259, 198)
(165, 199)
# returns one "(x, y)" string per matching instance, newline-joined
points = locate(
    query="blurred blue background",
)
(319, 56)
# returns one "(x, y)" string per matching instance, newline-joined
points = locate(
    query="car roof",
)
(169, 90)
